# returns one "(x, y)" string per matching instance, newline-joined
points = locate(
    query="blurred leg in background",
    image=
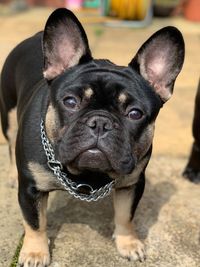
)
(192, 170)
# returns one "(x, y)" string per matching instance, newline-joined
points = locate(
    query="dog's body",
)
(192, 170)
(99, 118)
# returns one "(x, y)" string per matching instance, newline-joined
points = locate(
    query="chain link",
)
(70, 186)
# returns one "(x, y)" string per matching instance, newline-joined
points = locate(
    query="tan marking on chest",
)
(45, 180)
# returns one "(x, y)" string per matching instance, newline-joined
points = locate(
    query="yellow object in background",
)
(115, 6)
(142, 8)
(130, 9)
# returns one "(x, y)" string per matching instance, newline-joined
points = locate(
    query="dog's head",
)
(101, 116)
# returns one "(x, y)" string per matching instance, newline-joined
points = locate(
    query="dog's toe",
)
(34, 259)
(130, 248)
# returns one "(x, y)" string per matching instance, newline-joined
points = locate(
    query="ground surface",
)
(169, 214)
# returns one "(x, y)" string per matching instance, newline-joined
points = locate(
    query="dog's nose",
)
(100, 125)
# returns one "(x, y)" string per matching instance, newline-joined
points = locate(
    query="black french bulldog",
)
(192, 170)
(85, 120)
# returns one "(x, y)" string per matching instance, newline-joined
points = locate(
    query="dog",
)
(192, 170)
(84, 125)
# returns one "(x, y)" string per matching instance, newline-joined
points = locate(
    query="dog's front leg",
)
(125, 203)
(33, 203)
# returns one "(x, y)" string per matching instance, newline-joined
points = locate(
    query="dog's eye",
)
(135, 114)
(70, 102)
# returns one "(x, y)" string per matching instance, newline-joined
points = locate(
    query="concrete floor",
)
(169, 214)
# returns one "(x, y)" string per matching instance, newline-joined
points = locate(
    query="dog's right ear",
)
(65, 43)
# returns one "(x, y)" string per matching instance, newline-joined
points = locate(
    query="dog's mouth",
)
(93, 159)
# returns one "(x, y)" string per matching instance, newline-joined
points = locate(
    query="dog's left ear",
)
(160, 60)
(65, 43)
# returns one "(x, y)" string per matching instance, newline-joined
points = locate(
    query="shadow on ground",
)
(99, 215)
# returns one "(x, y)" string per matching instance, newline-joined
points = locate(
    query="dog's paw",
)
(192, 175)
(130, 247)
(34, 256)
(34, 259)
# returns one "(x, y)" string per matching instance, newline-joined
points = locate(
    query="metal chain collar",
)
(70, 186)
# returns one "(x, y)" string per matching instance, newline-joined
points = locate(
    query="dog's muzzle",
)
(78, 189)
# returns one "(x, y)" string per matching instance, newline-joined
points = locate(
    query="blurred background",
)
(116, 29)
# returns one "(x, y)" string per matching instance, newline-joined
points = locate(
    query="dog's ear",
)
(65, 43)
(160, 60)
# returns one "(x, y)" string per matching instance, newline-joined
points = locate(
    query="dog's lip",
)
(93, 150)
(93, 159)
